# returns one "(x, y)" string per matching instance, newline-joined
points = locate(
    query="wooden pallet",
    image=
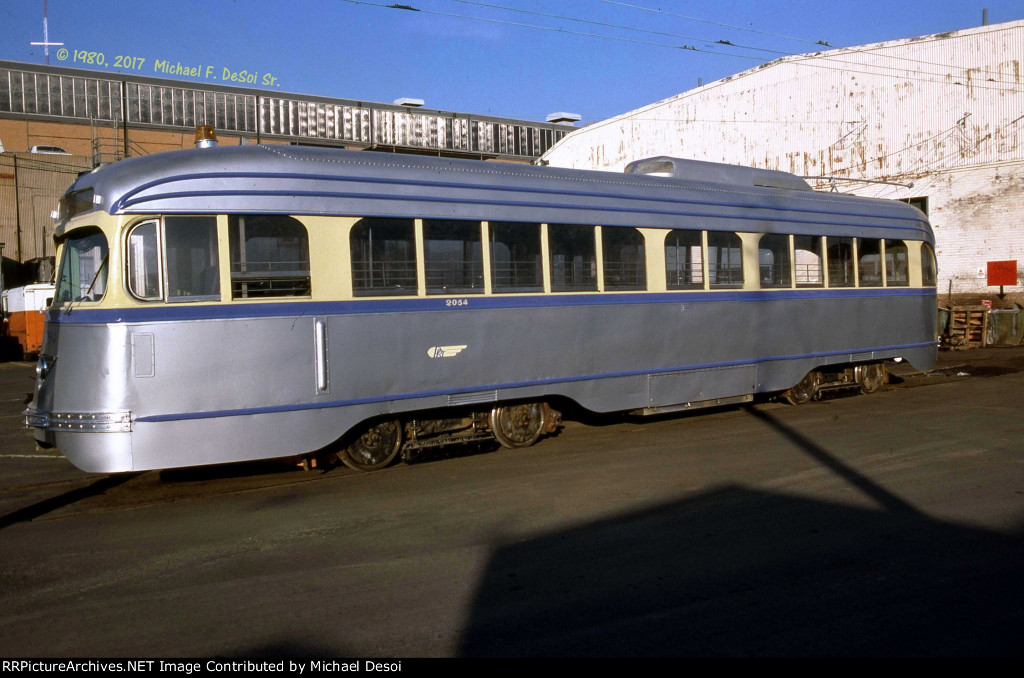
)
(968, 326)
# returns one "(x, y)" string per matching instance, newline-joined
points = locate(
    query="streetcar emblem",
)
(445, 351)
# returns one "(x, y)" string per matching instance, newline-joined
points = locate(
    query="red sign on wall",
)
(1002, 272)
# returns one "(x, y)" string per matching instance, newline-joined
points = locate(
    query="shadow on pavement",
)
(41, 508)
(741, 572)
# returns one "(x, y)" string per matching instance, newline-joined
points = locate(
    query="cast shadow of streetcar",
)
(741, 572)
(736, 571)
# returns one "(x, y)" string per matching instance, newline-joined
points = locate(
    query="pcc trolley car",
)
(227, 304)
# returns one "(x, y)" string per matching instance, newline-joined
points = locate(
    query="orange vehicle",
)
(24, 310)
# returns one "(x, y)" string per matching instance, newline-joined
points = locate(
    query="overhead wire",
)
(834, 58)
(804, 62)
(689, 48)
(619, 26)
(876, 51)
(618, 118)
(811, 60)
(715, 23)
(958, 127)
(1013, 85)
(799, 59)
(927, 161)
(786, 37)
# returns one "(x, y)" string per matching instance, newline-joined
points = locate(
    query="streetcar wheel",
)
(870, 377)
(518, 425)
(375, 448)
(804, 391)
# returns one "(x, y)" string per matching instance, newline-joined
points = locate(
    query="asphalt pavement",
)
(881, 525)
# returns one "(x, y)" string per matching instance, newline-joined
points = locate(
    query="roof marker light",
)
(205, 136)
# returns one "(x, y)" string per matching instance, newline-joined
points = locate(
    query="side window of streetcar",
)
(684, 260)
(840, 262)
(453, 257)
(809, 260)
(869, 262)
(515, 257)
(383, 257)
(179, 252)
(625, 267)
(897, 273)
(773, 260)
(269, 257)
(144, 261)
(725, 260)
(928, 268)
(573, 257)
(192, 262)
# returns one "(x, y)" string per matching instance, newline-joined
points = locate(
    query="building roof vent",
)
(716, 172)
(563, 118)
(409, 102)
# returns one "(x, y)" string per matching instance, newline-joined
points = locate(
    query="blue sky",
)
(363, 51)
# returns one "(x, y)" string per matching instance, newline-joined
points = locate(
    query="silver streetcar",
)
(236, 303)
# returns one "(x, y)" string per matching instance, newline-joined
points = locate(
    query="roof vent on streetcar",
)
(205, 136)
(715, 172)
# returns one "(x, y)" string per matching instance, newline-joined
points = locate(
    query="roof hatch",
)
(715, 172)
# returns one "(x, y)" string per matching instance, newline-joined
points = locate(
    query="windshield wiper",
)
(88, 290)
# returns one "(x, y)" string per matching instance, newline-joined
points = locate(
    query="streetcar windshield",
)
(83, 268)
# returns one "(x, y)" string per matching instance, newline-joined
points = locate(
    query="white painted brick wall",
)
(978, 216)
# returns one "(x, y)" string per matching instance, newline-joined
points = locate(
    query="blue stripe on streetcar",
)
(129, 199)
(291, 193)
(280, 309)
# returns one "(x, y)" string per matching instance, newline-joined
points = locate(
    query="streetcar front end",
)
(79, 401)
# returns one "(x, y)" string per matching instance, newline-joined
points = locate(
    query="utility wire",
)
(818, 42)
(944, 134)
(627, 28)
(689, 48)
(871, 52)
(715, 23)
(876, 52)
(927, 160)
(837, 59)
(800, 59)
(623, 116)
(959, 150)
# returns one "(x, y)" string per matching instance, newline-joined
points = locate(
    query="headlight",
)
(44, 365)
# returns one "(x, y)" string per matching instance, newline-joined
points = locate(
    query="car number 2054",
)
(451, 303)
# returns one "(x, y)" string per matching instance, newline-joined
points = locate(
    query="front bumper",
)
(84, 422)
